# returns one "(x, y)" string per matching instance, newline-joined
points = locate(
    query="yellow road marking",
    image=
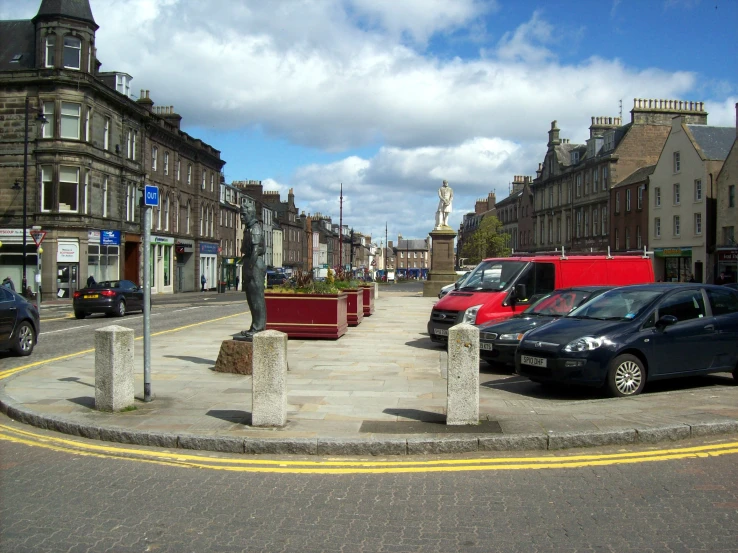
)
(253, 464)
(10, 372)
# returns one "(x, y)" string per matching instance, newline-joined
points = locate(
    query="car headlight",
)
(586, 343)
(511, 337)
(470, 315)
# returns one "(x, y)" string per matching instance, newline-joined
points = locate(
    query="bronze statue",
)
(254, 270)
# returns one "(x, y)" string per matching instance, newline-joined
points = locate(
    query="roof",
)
(636, 176)
(411, 245)
(17, 38)
(72, 9)
(510, 199)
(563, 152)
(715, 142)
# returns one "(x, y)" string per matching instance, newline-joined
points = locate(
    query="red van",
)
(498, 288)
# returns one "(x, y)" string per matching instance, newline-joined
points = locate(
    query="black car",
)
(112, 297)
(276, 279)
(19, 322)
(630, 335)
(499, 339)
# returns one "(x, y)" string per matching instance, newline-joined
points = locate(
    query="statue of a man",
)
(446, 196)
(254, 270)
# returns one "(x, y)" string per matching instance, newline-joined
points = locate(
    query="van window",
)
(539, 281)
(493, 275)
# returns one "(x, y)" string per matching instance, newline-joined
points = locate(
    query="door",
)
(689, 345)
(66, 280)
(8, 312)
(180, 277)
(724, 305)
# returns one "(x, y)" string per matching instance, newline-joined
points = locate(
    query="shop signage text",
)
(211, 249)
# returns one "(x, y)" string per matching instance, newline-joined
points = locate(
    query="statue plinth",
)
(442, 261)
(236, 357)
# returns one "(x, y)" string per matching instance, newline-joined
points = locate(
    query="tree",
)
(487, 241)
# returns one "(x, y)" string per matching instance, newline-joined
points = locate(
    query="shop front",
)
(103, 255)
(11, 257)
(727, 265)
(209, 264)
(673, 264)
(67, 268)
(184, 277)
(162, 261)
(230, 270)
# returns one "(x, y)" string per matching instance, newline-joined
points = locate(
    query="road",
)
(54, 497)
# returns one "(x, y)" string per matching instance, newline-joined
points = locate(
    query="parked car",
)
(276, 279)
(454, 285)
(636, 334)
(112, 297)
(499, 339)
(732, 285)
(19, 322)
(501, 287)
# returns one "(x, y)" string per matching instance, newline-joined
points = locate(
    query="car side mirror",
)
(666, 320)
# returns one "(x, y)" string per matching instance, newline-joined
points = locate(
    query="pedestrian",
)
(720, 280)
(91, 281)
(203, 280)
(237, 281)
(8, 283)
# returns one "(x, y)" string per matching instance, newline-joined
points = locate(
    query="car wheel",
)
(121, 311)
(25, 338)
(79, 314)
(626, 377)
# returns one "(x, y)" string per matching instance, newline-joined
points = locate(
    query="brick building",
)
(629, 211)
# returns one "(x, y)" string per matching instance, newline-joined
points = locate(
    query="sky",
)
(389, 97)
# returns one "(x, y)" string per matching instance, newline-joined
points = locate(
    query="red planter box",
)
(308, 315)
(368, 299)
(354, 306)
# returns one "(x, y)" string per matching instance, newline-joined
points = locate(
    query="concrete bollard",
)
(113, 368)
(376, 290)
(269, 379)
(462, 385)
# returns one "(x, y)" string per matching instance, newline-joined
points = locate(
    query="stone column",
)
(462, 385)
(113, 368)
(442, 262)
(269, 380)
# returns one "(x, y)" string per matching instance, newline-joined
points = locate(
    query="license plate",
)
(485, 347)
(534, 361)
(440, 331)
(92, 296)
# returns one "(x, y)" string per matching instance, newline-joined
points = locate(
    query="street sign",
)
(151, 195)
(38, 236)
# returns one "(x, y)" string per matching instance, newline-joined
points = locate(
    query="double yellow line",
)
(255, 464)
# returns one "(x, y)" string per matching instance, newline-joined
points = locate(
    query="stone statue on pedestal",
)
(254, 271)
(446, 196)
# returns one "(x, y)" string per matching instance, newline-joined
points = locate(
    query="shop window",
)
(103, 261)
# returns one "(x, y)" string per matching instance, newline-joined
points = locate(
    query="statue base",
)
(235, 357)
(442, 261)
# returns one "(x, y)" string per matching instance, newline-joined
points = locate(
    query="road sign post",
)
(151, 199)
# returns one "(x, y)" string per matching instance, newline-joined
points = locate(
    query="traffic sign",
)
(151, 195)
(38, 236)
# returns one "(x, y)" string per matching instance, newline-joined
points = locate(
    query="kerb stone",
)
(235, 357)
(462, 395)
(113, 368)
(269, 380)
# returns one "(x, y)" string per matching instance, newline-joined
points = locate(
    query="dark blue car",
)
(634, 334)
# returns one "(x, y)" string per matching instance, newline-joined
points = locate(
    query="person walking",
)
(203, 280)
(8, 283)
(237, 281)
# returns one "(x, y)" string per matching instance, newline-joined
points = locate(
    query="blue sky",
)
(389, 97)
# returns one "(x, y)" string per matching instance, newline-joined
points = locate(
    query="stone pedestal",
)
(442, 261)
(113, 368)
(235, 357)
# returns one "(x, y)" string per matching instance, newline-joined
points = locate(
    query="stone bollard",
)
(376, 290)
(113, 368)
(462, 392)
(269, 379)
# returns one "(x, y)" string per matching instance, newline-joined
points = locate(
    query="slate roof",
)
(409, 244)
(73, 9)
(563, 152)
(639, 175)
(715, 142)
(17, 37)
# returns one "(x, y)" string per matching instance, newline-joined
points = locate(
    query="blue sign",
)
(151, 195)
(110, 237)
(206, 248)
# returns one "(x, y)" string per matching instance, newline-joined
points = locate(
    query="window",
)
(88, 116)
(677, 162)
(579, 185)
(47, 187)
(189, 217)
(574, 158)
(595, 221)
(212, 181)
(72, 52)
(204, 178)
(677, 225)
(729, 236)
(627, 200)
(166, 163)
(698, 223)
(558, 231)
(579, 223)
(596, 175)
(657, 227)
(617, 239)
(134, 147)
(605, 171)
(179, 170)
(106, 136)
(176, 215)
(723, 302)
(158, 217)
(627, 238)
(89, 58)
(639, 240)
(68, 188)
(604, 221)
(189, 174)
(48, 128)
(731, 195)
(677, 195)
(698, 190)
(154, 157)
(50, 50)
(617, 202)
(129, 144)
(105, 197)
(657, 196)
(70, 116)
(685, 306)
(640, 197)
(586, 223)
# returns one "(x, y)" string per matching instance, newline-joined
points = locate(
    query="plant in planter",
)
(346, 282)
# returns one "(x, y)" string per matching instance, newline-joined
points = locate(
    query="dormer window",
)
(16, 58)
(609, 141)
(50, 50)
(574, 157)
(72, 53)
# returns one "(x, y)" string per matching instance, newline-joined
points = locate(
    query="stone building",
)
(83, 171)
(413, 257)
(572, 185)
(629, 211)
(470, 222)
(515, 214)
(294, 237)
(727, 214)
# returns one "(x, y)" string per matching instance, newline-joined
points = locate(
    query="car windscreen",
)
(618, 304)
(492, 275)
(558, 303)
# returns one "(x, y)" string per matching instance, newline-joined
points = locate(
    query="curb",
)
(374, 446)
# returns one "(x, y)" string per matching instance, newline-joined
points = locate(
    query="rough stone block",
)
(566, 440)
(462, 396)
(235, 357)
(712, 428)
(657, 434)
(269, 384)
(286, 446)
(113, 368)
(429, 446)
(513, 442)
